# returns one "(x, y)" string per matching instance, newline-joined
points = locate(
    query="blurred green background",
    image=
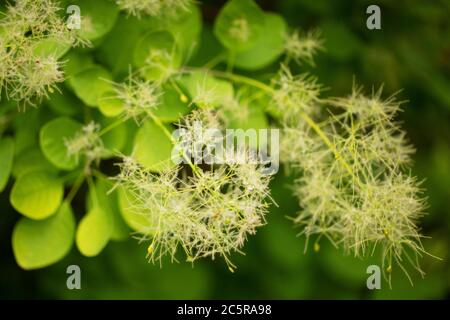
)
(410, 53)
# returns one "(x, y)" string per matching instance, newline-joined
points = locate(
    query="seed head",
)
(303, 48)
(204, 212)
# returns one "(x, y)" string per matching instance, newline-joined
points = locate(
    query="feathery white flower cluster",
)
(153, 7)
(303, 47)
(139, 97)
(86, 143)
(351, 157)
(206, 212)
(300, 93)
(26, 74)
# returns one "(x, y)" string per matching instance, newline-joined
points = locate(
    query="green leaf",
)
(125, 34)
(50, 47)
(37, 195)
(186, 29)
(26, 129)
(90, 84)
(157, 54)
(152, 148)
(253, 118)
(109, 202)
(267, 48)
(239, 25)
(6, 160)
(97, 17)
(109, 105)
(94, 230)
(37, 244)
(172, 107)
(201, 85)
(31, 160)
(77, 61)
(127, 203)
(52, 140)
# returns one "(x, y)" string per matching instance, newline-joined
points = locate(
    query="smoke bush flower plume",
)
(25, 74)
(352, 157)
(302, 47)
(88, 144)
(207, 213)
(139, 97)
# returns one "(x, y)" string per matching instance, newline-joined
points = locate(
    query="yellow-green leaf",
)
(52, 140)
(37, 195)
(37, 244)
(152, 147)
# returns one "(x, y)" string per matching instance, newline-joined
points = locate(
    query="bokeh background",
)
(410, 53)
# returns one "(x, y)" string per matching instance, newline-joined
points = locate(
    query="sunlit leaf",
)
(206, 90)
(127, 206)
(31, 160)
(37, 195)
(268, 47)
(90, 84)
(94, 230)
(152, 147)
(239, 25)
(52, 140)
(97, 17)
(37, 244)
(157, 55)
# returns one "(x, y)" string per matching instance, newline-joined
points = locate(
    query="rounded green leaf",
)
(125, 34)
(50, 47)
(109, 202)
(37, 195)
(76, 61)
(127, 203)
(90, 84)
(52, 140)
(31, 160)
(94, 231)
(157, 54)
(26, 129)
(186, 29)
(97, 17)
(109, 105)
(172, 106)
(6, 160)
(152, 148)
(239, 25)
(206, 90)
(253, 118)
(37, 244)
(267, 48)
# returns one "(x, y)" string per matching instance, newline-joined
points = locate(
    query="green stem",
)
(327, 141)
(214, 61)
(76, 186)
